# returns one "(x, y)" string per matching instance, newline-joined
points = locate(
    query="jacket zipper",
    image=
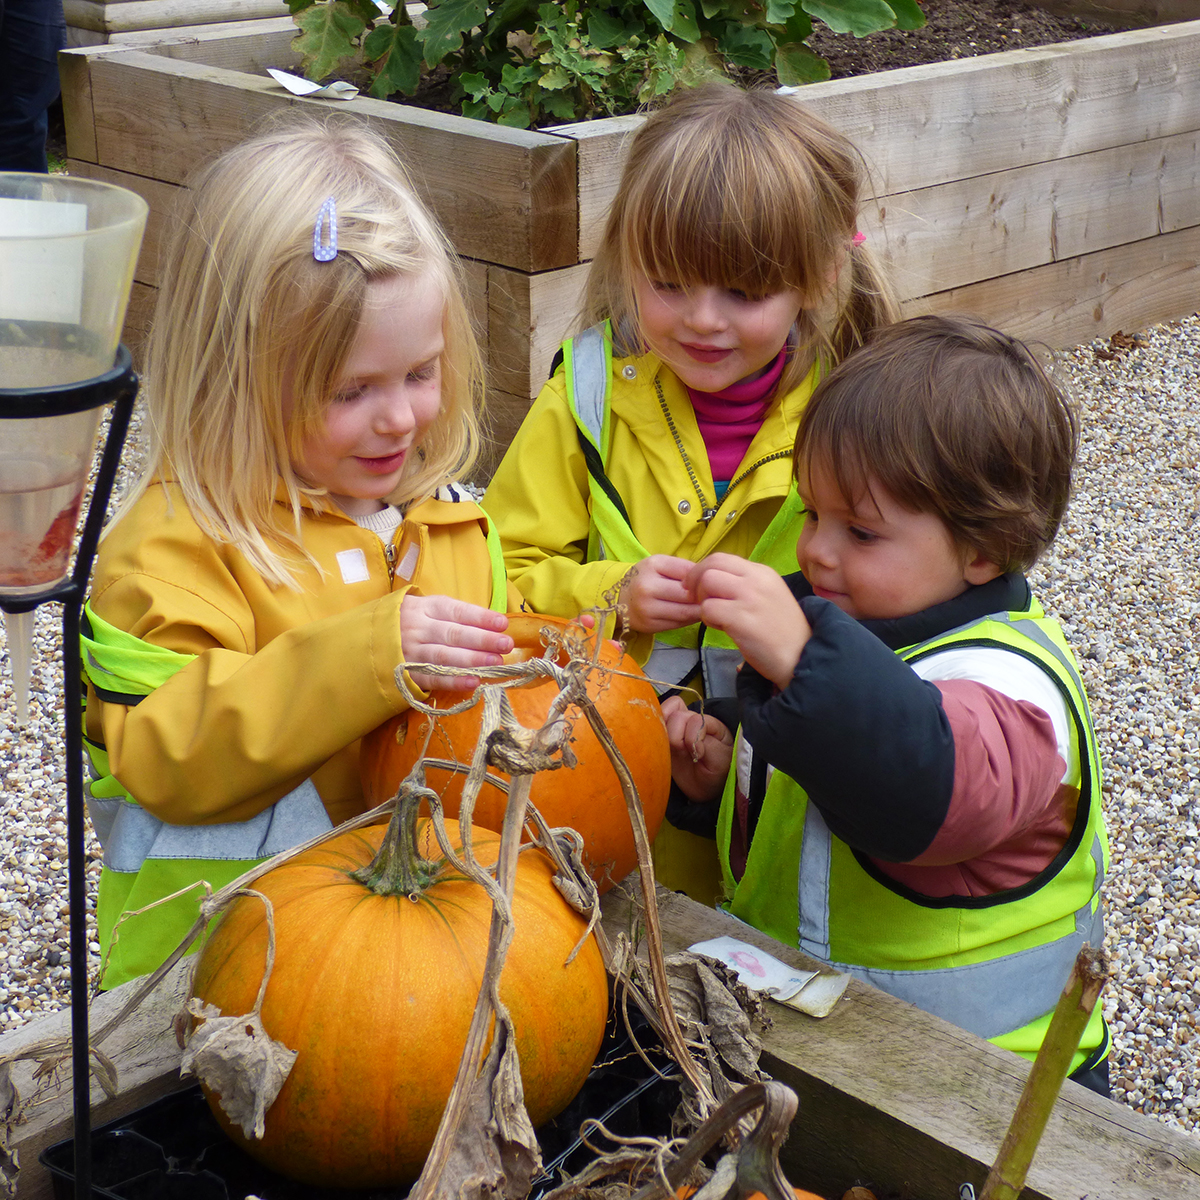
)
(706, 512)
(389, 553)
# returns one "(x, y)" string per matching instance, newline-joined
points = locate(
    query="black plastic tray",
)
(173, 1149)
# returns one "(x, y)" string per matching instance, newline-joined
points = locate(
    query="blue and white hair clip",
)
(325, 246)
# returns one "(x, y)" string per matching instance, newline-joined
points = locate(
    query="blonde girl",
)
(731, 274)
(296, 535)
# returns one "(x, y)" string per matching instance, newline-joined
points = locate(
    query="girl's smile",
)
(712, 337)
(389, 394)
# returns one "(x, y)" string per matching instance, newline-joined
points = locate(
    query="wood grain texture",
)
(892, 1094)
(116, 16)
(1064, 304)
(919, 127)
(74, 73)
(1006, 221)
(503, 195)
(528, 318)
(159, 196)
(147, 1058)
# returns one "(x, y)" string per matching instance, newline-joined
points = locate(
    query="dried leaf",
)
(495, 1153)
(105, 1071)
(237, 1059)
(713, 1007)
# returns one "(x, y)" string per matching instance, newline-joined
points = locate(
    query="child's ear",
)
(980, 570)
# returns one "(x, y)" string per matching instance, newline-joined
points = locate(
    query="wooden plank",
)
(237, 46)
(503, 414)
(159, 118)
(601, 149)
(1132, 13)
(895, 1095)
(138, 317)
(1064, 304)
(528, 317)
(115, 16)
(159, 196)
(970, 230)
(921, 126)
(74, 73)
(147, 1058)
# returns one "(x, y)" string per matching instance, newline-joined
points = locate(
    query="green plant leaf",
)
(796, 64)
(328, 34)
(779, 12)
(368, 12)
(515, 115)
(908, 14)
(474, 84)
(711, 8)
(448, 21)
(605, 30)
(295, 6)
(475, 109)
(664, 12)
(858, 17)
(797, 28)
(746, 46)
(559, 105)
(396, 53)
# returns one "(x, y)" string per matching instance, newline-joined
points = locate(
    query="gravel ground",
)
(1124, 583)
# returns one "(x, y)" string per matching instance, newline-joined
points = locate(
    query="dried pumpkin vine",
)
(236, 1058)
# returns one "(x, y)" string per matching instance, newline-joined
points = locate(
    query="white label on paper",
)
(41, 264)
(757, 969)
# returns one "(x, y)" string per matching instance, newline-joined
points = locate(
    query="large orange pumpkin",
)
(375, 992)
(801, 1194)
(588, 798)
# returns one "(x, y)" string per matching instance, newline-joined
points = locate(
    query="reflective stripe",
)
(121, 666)
(499, 576)
(130, 835)
(588, 367)
(669, 666)
(816, 855)
(992, 997)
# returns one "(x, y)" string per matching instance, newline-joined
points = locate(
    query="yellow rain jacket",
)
(223, 713)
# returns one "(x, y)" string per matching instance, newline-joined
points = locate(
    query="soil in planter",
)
(953, 29)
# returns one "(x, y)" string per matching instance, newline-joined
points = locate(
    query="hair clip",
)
(858, 239)
(325, 249)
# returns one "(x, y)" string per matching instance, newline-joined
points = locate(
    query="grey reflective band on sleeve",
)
(816, 857)
(589, 382)
(130, 835)
(720, 665)
(996, 996)
(669, 665)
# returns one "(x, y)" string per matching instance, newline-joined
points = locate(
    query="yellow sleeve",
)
(539, 501)
(233, 731)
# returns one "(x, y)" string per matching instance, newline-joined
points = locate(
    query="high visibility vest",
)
(587, 360)
(145, 859)
(994, 965)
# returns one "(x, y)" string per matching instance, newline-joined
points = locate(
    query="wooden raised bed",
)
(887, 1093)
(1053, 191)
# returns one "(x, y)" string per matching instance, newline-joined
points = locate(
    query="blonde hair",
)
(745, 190)
(244, 309)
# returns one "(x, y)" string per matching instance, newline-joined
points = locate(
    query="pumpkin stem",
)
(398, 868)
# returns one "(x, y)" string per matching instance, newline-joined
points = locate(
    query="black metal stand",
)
(118, 386)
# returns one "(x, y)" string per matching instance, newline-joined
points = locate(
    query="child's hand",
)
(655, 596)
(451, 633)
(751, 603)
(701, 750)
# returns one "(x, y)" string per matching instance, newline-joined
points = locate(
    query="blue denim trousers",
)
(31, 34)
